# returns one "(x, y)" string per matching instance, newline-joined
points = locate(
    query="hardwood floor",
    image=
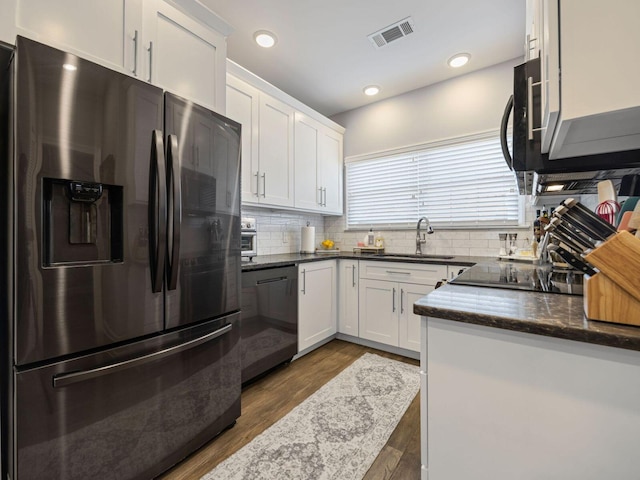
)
(272, 397)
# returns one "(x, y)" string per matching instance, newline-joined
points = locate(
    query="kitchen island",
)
(520, 385)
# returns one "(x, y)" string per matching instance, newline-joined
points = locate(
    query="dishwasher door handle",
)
(271, 280)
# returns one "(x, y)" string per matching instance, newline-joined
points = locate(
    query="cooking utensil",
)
(627, 206)
(607, 210)
(624, 222)
(606, 191)
(573, 260)
(634, 221)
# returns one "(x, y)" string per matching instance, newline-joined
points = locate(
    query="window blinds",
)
(463, 183)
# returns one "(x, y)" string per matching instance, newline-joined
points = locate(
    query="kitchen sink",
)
(417, 256)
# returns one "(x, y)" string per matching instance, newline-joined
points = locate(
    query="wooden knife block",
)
(605, 300)
(619, 259)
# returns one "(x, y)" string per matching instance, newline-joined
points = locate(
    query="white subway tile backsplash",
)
(279, 232)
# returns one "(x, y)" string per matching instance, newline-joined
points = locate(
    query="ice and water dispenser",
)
(83, 222)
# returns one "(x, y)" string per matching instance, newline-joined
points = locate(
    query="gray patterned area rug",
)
(334, 434)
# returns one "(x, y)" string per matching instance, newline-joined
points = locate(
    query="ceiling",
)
(324, 58)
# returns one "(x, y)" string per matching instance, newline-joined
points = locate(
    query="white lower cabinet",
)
(317, 300)
(501, 404)
(387, 293)
(348, 282)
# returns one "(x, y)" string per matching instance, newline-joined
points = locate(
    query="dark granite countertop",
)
(261, 262)
(549, 314)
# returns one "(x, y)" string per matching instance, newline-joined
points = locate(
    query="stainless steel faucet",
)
(420, 241)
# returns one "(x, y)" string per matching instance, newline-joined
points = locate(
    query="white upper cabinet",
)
(533, 29)
(592, 90)
(184, 56)
(291, 155)
(308, 190)
(267, 144)
(330, 170)
(318, 166)
(104, 32)
(275, 178)
(149, 39)
(243, 106)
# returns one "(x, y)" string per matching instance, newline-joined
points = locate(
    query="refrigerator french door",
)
(126, 226)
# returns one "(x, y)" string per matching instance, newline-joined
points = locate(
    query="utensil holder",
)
(605, 300)
(619, 259)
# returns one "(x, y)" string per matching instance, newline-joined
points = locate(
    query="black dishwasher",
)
(268, 320)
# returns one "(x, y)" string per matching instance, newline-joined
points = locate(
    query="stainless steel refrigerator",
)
(121, 271)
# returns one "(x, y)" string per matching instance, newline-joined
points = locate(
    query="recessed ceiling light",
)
(555, 188)
(265, 38)
(459, 60)
(68, 66)
(371, 90)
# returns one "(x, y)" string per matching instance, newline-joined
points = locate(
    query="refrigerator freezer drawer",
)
(130, 412)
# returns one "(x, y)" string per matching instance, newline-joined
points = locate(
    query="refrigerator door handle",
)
(157, 212)
(175, 189)
(66, 379)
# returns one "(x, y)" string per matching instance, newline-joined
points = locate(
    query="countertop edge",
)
(577, 327)
(261, 262)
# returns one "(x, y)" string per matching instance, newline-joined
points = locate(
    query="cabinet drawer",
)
(425, 274)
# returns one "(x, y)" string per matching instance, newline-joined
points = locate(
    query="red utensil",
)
(607, 210)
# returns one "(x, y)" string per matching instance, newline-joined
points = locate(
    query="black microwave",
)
(527, 158)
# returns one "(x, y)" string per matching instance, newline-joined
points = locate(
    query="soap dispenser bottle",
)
(370, 238)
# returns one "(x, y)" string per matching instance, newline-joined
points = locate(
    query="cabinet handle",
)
(150, 50)
(529, 47)
(320, 201)
(324, 203)
(353, 275)
(135, 54)
(264, 185)
(402, 300)
(257, 184)
(397, 273)
(394, 300)
(530, 128)
(304, 282)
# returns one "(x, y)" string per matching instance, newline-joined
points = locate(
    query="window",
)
(461, 183)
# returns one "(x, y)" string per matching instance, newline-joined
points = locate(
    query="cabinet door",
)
(379, 310)
(316, 302)
(103, 32)
(308, 191)
(409, 322)
(183, 56)
(330, 168)
(243, 102)
(275, 152)
(549, 72)
(348, 297)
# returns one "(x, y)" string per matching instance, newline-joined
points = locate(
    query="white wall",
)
(464, 105)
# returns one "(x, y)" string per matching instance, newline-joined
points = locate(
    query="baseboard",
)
(379, 346)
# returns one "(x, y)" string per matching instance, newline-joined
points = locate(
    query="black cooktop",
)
(522, 276)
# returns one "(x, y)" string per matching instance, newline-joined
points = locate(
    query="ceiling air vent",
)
(392, 33)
